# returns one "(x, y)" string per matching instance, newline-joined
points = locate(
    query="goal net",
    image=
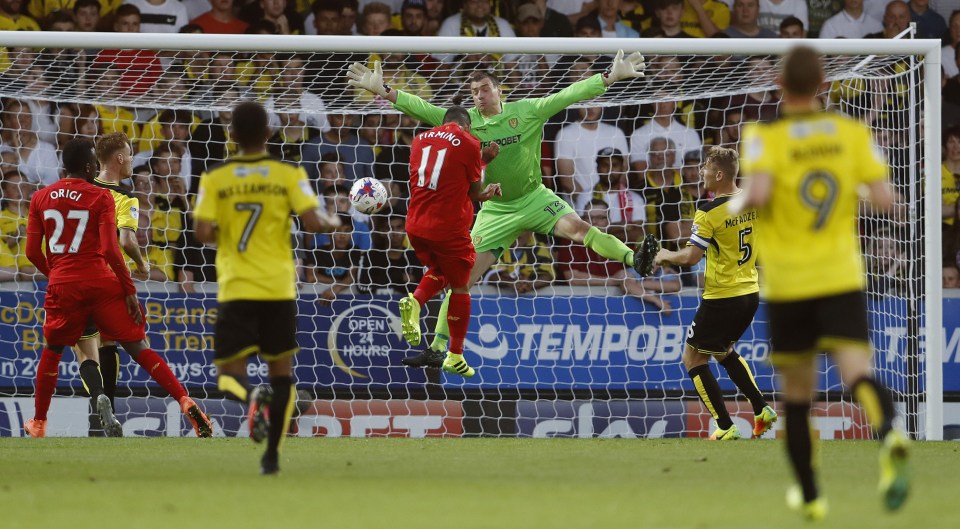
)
(565, 344)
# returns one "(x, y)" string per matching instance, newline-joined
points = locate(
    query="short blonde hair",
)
(726, 160)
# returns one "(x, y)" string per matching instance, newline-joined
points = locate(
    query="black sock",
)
(280, 411)
(800, 448)
(90, 375)
(234, 388)
(739, 372)
(876, 401)
(110, 370)
(709, 391)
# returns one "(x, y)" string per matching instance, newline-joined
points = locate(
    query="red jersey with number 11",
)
(443, 162)
(75, 217)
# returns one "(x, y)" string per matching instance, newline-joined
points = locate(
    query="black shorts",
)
(90, 331)
(246, 327)
(819, 324)
(719, 323)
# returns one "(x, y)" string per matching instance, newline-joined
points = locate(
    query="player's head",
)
(951, 276)
(250, 127)
(792, 28)
(720, 169)
(802, 72)
(458, 115)
(80, 159)
(486, 92)
(114, 153)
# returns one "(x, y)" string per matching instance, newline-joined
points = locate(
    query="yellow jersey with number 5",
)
(251, 198)
(807, 233)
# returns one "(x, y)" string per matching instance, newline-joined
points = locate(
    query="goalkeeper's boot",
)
(269, 464)
(456, 365)
(36, 428)
(198, 419)
(814, 510)
(258, 416)
(410, 319)
(426, 358)
(894, 474)
(730, 434)
(763, 422)
(111, 426)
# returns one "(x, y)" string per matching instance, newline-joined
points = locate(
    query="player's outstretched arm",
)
(128, 241)
(35, 242)
(317, 220)
(688, 256)
(625, 68)
(483, 194)
(362, 77)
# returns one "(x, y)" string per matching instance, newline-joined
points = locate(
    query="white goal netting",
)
(565, 343)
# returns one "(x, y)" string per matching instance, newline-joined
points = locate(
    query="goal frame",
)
(928, 49)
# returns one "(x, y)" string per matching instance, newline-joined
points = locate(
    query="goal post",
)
(561, 353)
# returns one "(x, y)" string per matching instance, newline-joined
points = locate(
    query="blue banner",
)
(548, 341)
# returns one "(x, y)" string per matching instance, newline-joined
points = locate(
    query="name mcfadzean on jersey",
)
(739, 219)
(251, 188)
(66, 193)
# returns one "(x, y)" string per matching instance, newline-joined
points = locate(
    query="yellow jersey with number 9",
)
(807, 233)
(250, 198)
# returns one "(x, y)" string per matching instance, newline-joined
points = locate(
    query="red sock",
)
(458, 318)
(160, 371)
(431, 284)
(47, 373)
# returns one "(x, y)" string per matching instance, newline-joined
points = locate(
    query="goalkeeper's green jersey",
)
(518, 130)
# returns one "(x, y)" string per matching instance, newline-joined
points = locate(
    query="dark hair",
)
(951, 132)
(87, 3)
(250, 125)
(109, 144)
(599, 202)
(790, 21)
(126, 10)
(190, 28)
(327, 5)
(79, 158)
(179, 116)
(330, 157)
(458, 115)
(480, 75)
(802, 71)
(58, 17)
(726, 160)
(588, 22)
(262, 25)
(663, 4)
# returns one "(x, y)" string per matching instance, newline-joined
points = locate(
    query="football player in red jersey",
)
(446, 168)
(87, 279)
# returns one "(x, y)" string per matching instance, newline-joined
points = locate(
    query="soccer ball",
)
(368, 195)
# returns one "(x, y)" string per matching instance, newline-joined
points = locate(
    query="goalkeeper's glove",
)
(370, 80)
(628, 68)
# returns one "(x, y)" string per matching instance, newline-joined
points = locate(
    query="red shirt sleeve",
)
(475, 164)
(35, 240)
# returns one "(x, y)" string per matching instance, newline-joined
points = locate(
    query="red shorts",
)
(69, 306)
(453, 258)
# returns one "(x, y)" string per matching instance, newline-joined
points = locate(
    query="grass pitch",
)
(444, 483)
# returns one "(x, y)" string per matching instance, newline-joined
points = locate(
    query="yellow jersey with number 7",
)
(807, 233)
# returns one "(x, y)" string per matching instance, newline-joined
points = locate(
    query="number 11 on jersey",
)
(424, 166)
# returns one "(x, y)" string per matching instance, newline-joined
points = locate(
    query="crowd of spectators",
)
(630, 169)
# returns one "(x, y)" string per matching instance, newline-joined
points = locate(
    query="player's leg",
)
(457, 264)
(798, 380)
(430, 285)
(115, 324)
(793, 335)
(278, 332)
(708, 335)
(62, 326)
(483, 263)
(738, 312)
(844, 319)
(572, 227)
(109, 368)
(90, 373)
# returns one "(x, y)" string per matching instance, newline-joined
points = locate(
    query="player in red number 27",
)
(446, 173)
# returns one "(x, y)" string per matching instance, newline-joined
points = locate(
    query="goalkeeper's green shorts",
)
(499, 223)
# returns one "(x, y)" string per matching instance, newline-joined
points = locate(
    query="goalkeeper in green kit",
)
(526, 204)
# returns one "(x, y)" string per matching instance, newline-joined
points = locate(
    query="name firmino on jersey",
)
(739, 219)
(252, 189)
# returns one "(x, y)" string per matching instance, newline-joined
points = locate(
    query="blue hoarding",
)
(547, 341)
